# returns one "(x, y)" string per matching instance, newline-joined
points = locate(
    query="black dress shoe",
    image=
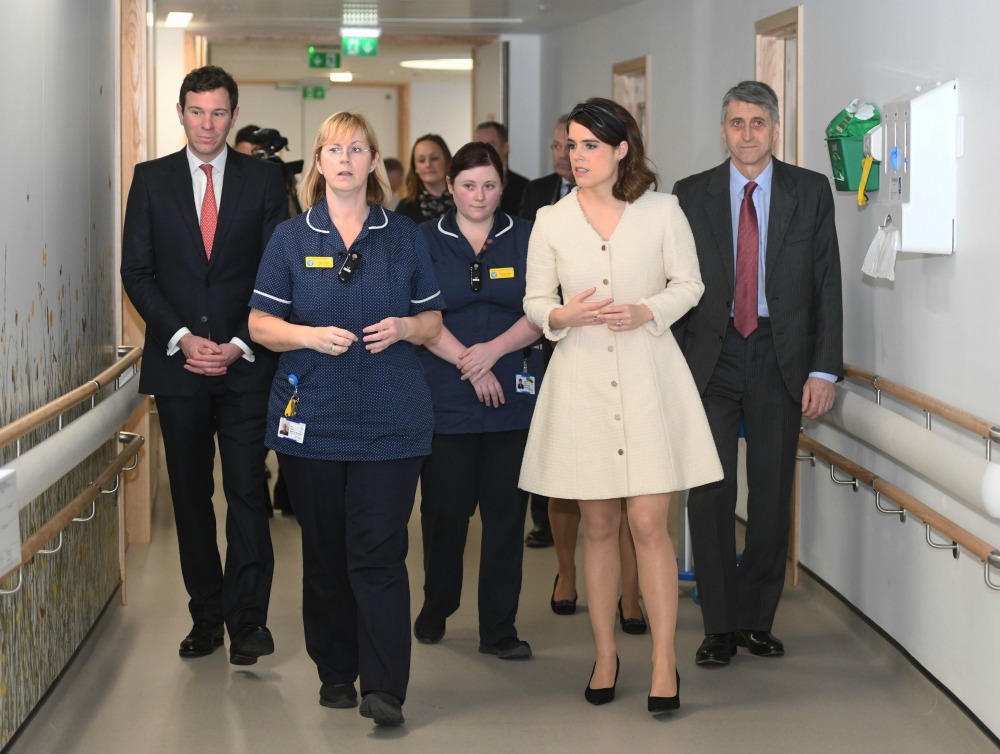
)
(338, 695)
(716, 649)
(249, 643)
(665, 703)
(428, 630)
(384, 709)
(538, 537)
(561, 607)
(203, 639)
(760, 643)
(602, 696)
(634, 626)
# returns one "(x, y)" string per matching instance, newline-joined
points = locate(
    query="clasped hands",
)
(579, 312)
(204, 356)
(377, 338)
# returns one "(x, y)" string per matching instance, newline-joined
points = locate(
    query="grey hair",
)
(752, 93)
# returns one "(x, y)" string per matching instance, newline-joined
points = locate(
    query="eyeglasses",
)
(476, 276)
(336, 150)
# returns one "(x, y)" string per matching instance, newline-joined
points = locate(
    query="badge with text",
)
(319, 262)
(289, 429)
(525, 383)
(501, 273)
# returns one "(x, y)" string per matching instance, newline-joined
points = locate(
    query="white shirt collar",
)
(195, 163)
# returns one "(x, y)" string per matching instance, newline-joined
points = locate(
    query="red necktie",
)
(210, 213)
(747, 251)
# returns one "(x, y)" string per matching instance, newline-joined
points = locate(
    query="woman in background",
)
(483, 373)
(426, 195)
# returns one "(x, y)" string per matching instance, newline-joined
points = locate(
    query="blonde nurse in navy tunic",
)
(343, 293)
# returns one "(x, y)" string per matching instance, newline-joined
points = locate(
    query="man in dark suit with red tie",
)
(196, 224)
(765, 347)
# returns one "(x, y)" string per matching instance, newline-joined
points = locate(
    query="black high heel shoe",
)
(634, 626)
(665, 703)
(602, 696)
(561, 607)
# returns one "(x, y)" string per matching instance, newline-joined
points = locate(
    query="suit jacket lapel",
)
(180, 180)
(783, 201)
(232, 189)
(720, 217)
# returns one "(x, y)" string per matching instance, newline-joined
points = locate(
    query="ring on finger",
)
(618, 323)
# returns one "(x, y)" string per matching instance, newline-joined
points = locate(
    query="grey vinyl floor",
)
(840, 688)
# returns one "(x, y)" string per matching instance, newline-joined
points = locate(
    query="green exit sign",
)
(359, 47)
(314, 92)
(321, 59)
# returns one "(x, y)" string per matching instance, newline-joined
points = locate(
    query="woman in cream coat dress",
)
(619, 415)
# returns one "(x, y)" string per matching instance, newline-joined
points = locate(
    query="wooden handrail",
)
(55, 525)
(985, 429)
(964, 538)
(29, 422)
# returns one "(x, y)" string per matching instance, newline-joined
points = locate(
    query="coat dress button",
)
(621, 452)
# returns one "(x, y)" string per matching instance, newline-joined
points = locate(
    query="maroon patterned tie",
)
(210, 213)
(747, 251)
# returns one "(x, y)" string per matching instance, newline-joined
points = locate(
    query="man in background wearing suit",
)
(765, 346)
(550, 188)
(539, 193)
(495, 134)
(196, 224)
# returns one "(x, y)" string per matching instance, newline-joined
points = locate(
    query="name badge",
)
(289, 429)
(499, 273)
(525, 383)
(319, 262)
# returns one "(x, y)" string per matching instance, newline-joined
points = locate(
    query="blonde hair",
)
(313, 186)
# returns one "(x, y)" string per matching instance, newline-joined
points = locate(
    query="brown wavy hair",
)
(413, 185)
(313, 187)
(613, 124)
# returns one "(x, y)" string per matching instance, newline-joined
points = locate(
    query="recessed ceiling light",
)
(440, 64)
(341, 77)
(361, 32)
(177, 20)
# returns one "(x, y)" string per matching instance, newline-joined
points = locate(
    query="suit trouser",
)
(463, 471)
(355, 588)
(240, 593)
(747, 384)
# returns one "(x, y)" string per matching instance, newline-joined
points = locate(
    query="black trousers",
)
(461, 472)
(355, 588)
(746, 383)
(238, 594)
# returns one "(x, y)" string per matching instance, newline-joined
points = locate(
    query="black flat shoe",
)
(338, 695)
(716, 649)
(634, 626)
(602, 696)
(249, 643)
(760, 643)
(665, 703)
(538, 537)
(384, 709)
(561, 607)
(427, 630)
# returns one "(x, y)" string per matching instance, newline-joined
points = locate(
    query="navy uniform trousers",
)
(355, 588)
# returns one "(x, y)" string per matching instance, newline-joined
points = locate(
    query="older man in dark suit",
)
(196, 224)
(550, 188)
(765, 346)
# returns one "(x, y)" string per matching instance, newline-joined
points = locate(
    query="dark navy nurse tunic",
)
(479, 316)
(357, 406)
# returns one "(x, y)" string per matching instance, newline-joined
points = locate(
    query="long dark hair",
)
(613, 124)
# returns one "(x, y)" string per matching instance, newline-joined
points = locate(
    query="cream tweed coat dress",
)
(618, 414)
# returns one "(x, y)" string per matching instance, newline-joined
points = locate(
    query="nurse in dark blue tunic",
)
(343, 292)
(483, 371)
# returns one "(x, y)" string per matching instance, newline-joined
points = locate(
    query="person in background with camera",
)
(426, 194)
(342, 292)
(610, 268)
(483, 372)
(244, 139)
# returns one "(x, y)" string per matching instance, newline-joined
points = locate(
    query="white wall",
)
(933, 329)
(441, 108)
(168, 74)
(529, 137)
